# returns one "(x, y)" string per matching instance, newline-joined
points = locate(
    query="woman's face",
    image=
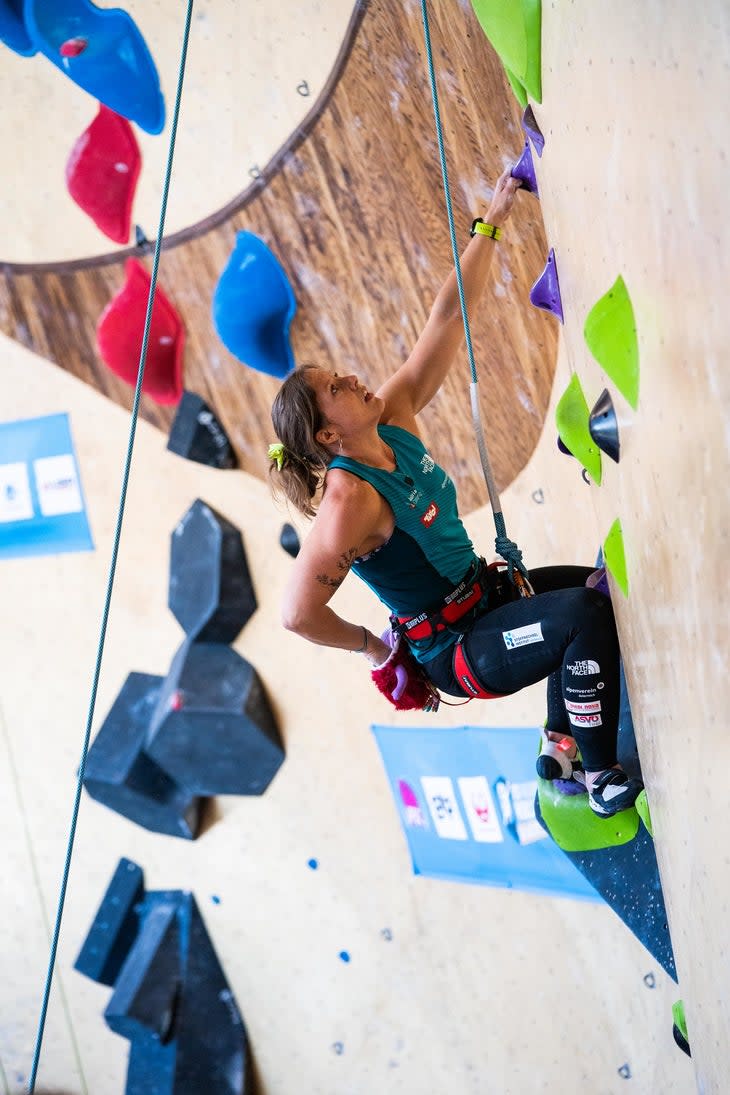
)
(343, 402)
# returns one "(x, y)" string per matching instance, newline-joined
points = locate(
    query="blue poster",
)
(42, 510)
(465, 798)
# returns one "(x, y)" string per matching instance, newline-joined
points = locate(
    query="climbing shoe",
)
(613, 792)
(555, 760)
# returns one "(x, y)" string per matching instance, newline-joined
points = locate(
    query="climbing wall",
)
(350, 973)
(633, 182)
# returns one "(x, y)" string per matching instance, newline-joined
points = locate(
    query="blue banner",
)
(42, 510)
(465, 797)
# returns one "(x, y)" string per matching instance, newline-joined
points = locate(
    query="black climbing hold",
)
(213, 729)
(120, 775)
(172, 1001)
(625, 1072)
(210, 593)
(603, 425)
(197, 434)
(289, 540)
(114, 927)
(146, 990)
(140, 239)
(681, 1041)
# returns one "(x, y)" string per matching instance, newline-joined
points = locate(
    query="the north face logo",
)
(430, 515)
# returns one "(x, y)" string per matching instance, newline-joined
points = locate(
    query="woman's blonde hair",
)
(303, 463)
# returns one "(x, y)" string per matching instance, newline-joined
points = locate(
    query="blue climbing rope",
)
(115, 553)
(507, 548)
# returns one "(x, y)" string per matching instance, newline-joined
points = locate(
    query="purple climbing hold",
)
(545, 293)
(563, 447)
(532, 129)
(524, 170)
(569, 787)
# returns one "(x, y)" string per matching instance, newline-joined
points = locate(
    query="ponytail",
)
(299, 464)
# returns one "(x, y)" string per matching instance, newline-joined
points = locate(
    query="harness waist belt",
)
(465, 597)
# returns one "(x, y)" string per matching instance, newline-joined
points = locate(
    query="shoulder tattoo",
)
(344, 563)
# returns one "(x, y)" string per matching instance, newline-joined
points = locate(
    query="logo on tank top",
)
(430, 515)
(427, 464)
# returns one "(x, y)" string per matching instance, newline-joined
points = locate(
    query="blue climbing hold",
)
(13, 31)
(253, 306)
(103, 52)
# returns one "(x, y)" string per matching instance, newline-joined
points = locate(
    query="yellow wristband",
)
(481, 228)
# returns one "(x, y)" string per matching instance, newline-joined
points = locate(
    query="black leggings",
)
(566, 633)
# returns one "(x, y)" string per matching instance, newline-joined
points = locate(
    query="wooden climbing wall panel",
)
(353, 207)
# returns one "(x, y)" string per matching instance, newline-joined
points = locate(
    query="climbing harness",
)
(115, 553)
(505, 547)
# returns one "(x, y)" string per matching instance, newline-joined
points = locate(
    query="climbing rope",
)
(115, 553)
(505, 547)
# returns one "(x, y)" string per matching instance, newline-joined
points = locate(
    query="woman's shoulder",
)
(406, 433)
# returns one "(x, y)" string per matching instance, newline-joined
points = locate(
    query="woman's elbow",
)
(292, 619)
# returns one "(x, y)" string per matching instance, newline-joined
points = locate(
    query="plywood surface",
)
(253, 75)
(628, 112)
(463, 995)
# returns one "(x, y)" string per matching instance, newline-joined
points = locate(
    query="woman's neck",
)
(370, 450)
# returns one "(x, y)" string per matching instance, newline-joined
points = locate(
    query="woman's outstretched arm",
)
(422, 374)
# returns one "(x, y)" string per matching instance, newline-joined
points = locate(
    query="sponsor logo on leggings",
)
(583, 708)
(585, 720)
(584, 668)
(523, 636)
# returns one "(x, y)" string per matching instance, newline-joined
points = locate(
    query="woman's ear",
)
(327, 436)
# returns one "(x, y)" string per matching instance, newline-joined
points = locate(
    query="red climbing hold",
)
(119, 337)
(102, 173)
(72, 47)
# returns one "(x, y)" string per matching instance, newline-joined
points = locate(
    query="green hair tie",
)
(277, 452)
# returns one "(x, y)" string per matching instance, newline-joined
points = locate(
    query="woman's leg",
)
(545, 580)
(570, 631)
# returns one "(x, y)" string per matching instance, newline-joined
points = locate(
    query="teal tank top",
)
(429, 551)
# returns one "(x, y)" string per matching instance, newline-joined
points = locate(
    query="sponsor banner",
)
(57, 485)
(41, 501)
(16, 501)
(583, 708)
(585, 720)
(443, 807)
(523, 636)
(481, 812)
(465, 798)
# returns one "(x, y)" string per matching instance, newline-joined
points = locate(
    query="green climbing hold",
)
(679, 1019)
(610, 334)
(572, 417)
(514, 28)
(517, 87)
(575, 828)
(614, 556)
(642, 808)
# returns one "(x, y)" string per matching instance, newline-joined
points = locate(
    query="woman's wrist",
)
(377, 652)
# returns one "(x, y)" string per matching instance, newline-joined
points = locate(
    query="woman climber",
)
(389, 512)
